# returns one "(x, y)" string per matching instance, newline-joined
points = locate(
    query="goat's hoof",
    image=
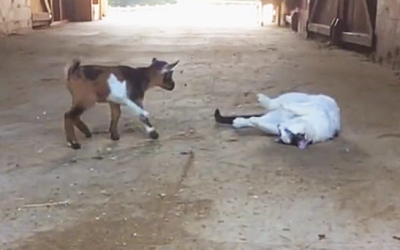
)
(88, 135)
(114, 137)
(75, 145)
(154, 135)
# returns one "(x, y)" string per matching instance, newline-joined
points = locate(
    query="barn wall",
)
(14, 15)
(37, 6)
(103, 7)
(82, 11)
(388, 32)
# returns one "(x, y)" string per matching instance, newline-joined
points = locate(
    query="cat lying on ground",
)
(298, 119)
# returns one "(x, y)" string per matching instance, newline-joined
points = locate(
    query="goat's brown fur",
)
(89, 85)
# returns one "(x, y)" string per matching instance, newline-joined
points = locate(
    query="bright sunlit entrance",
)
(203, 13)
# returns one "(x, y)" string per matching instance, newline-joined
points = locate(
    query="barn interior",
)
(200, 185)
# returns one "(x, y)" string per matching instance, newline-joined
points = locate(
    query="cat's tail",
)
(223, 119)
(230, 119)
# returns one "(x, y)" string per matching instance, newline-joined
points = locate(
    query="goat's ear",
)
(154, 60)
(172, 66)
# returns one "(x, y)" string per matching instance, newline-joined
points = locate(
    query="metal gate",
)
(350, 21)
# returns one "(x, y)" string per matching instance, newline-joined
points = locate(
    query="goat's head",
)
(161, 74)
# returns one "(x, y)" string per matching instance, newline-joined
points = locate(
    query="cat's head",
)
(295, 135)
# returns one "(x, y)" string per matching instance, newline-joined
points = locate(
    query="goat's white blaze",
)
(118, 94)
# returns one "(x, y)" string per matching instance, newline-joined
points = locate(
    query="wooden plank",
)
(82, 10)
(57, 10)
(369, 24)
(41, 17)
(319, 28)
(314, 8)
(357, 38)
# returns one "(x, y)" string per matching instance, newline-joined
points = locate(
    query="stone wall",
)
(15, 15)
(388, 32)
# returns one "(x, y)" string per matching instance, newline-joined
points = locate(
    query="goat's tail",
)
(72, 68)
(229, 119)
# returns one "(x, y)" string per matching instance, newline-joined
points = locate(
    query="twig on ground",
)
(47, 204)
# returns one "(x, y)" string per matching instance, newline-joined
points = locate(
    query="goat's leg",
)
(147, 125)
(69, 121)
(115, 115)
(82, 127)
(86, 102)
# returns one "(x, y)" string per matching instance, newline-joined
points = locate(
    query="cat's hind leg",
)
(270, 121)
(268, 103)
(265, 126)
(300, 109)
(241, 122)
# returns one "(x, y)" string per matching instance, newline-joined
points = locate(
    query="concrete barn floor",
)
(238, 190)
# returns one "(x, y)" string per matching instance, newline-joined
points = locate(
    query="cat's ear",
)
(289, 132)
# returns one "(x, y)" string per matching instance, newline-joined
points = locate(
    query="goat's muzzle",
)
(168, 82)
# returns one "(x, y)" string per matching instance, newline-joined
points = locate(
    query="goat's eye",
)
(168, 76)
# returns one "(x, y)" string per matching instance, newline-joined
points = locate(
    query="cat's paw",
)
(263, 100)
(144, 113)
(240, 122)
(253, 121)
(284, 106)
(260, 97)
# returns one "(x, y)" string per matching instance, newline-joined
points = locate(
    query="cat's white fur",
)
(315, 116)
(118, 94)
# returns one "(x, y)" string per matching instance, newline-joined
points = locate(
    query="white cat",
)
(297, 118)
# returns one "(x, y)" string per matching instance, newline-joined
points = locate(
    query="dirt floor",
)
(200, 186)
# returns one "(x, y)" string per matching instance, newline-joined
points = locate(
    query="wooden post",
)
(262, 13)
(279, 13)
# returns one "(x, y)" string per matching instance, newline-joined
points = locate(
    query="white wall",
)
(14, 15)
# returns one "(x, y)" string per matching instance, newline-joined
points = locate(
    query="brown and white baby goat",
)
(117, 85)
